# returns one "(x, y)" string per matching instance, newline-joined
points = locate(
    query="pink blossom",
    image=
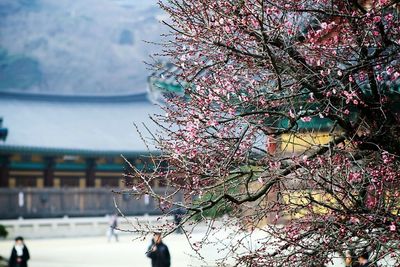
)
(245, 83)
(306, 119)
(324, 25)
(389, 70)
(212, 123)
(377, 19)
(389, 17)
(355, 177)
(227, 29)
(354, 220)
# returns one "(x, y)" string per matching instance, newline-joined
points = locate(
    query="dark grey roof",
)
(9, 149)
(106, 125)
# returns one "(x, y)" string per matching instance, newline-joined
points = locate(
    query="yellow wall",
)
(118, 160)
(301, 141)
(101, 161)
(12, 182)
(298, 199)
(36, 158)
(57, 182)
(39, 182)
(82, 182)
(16, 157)
(97, 183)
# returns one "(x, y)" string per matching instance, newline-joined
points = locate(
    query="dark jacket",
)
(21, 261)
(178, 215)
(368, 264)
(160, 257)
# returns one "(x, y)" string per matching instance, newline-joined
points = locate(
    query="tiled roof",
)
(76, 127)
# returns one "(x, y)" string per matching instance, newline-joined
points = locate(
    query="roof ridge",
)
(139, 97)
(4, 148)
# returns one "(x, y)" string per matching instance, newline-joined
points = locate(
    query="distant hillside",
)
(19, 72)
(77, 47)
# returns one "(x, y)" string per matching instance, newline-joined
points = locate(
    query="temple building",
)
(64, 154)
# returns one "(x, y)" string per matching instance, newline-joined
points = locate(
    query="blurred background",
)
(72, 84)
(90, 47)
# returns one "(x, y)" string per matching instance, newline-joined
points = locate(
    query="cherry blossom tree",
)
(289, 124)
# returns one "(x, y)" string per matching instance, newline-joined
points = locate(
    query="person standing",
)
(351, 260)
(363, 259)
(158, 252)
(178, 215)
(19, 254)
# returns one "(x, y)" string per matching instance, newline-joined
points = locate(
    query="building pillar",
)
(49, 171)
(4, 169)
(90, 172)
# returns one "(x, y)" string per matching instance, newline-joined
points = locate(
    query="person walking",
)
(158, 252)
(113, 225)
(19, 254)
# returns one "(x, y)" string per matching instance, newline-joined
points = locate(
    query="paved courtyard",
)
(97, 252)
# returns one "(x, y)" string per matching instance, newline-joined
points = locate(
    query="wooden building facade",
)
(58, 168)
(43, 183)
